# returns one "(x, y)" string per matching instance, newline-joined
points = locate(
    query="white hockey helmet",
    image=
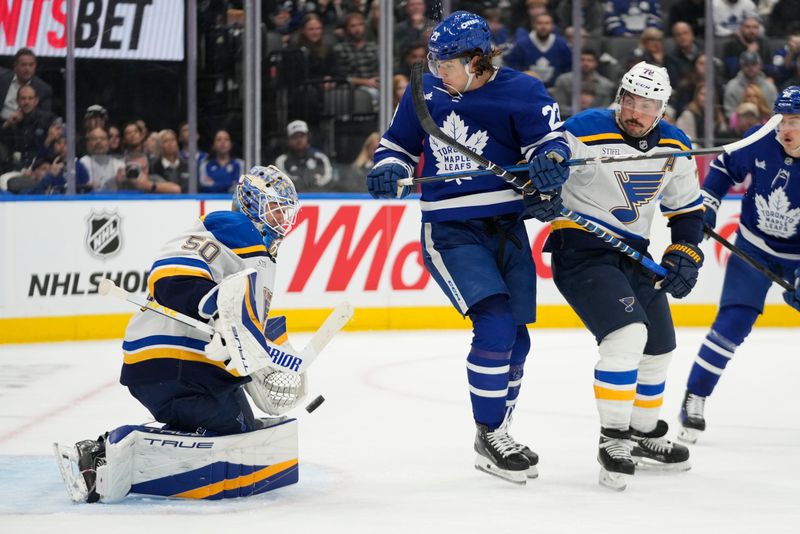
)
(648, 81)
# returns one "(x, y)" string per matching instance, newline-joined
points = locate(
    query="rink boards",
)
(55, 252)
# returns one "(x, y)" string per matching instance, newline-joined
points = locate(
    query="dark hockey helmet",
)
(788, 102)
(459, 33)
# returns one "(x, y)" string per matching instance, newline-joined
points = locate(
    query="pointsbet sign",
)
(104, 29)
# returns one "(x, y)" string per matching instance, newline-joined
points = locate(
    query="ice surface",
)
(391, 448)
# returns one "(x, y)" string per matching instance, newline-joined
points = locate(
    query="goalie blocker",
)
(149, 461)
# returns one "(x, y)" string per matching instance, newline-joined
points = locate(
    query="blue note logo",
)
(638, 188)
(104, 235)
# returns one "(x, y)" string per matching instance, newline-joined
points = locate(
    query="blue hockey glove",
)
(543, 206)
(382, 181)
(682, 261)
(547, 171)
(711, 205)
(792, 298)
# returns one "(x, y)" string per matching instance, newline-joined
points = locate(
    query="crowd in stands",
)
(322, 86)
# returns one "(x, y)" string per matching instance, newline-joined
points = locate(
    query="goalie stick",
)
(768, 127)
(335, 321)
(749, 260)
(430, 127)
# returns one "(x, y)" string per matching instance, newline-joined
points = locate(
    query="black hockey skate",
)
(499, 455)
(691, 417)
(652, 451)
(614, 455)
(91, 455)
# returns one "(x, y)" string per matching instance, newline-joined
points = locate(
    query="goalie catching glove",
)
(239, 339)
(682, 261)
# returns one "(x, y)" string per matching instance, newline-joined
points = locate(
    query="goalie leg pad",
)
(152, 461)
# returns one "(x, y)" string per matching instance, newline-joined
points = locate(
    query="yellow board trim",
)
(236, 483)
(602, 393)
(173, 353)
(653, 403)
(85, 327)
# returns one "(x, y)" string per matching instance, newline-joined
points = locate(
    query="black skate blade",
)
(515, 477)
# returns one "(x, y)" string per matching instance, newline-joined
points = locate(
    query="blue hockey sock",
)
(522, 344)
(731, 327)
(489, 360)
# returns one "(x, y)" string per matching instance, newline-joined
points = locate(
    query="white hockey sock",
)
(650, 391)
(615, 374)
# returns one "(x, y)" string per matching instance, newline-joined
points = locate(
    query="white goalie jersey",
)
(623, 197)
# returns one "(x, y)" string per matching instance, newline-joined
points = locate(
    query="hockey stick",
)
(430, 127)
(335, 321)
(768, 127)
(749, 260)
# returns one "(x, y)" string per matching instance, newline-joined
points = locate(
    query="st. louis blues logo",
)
(628, 302)
(638, 188)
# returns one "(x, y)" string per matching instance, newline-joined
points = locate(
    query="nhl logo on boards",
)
(103, 234)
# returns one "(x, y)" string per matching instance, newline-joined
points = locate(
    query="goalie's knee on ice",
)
(152, 461)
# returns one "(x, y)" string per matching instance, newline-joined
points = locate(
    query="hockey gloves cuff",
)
(547, 171)
(543, 206)
(682, 261)
(792, 298)
(382, 181)
(711, 205)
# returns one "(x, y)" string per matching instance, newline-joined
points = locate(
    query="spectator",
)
(23, 73)
(692, 120)
(787, 58)
(747, 38)
(354, 178)
(27, 181)
(501, 37)
(55, 131)
(679, 61)
(592, 17)
(137, 177)
(151, 147)
(783, 18)
(356, 59)
(373, 22)
(220, 171)
(411, 28)
(54, 181)
(183, 143)
(114, 141)
(133, 136)
(600, 89)
(753, 95)
(540, 51)
(750, 74)
(168, 164)
(25, 130)
(105, 172)
(747, 116)
(283, 16)
(329, 12)
(626, 18)
(316, 49)
(729, 15)
(692, 12)
(650, 49)
(686, 88)
(399, 84)
(309, 168)
(415, 53)
(96, 116)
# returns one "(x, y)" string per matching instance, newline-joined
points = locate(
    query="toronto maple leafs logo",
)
(638, 188)
(776, 216)
(447, 158)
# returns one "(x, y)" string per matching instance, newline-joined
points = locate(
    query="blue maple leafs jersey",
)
(509, 119)
(771, 204)
(623, 197)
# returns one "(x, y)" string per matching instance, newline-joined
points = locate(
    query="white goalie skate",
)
(67, 459)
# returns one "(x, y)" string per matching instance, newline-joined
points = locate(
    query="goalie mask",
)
(268, 197)
(647, 81)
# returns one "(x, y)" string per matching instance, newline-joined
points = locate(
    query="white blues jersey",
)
(623, 197)
(771, 204)
(510, 118)
(188, 267)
